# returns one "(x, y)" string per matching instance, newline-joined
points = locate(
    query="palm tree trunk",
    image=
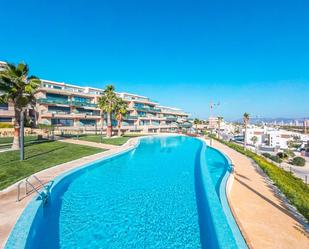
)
(16, 144)
(102, 121)
(109, 125)
(119, 127)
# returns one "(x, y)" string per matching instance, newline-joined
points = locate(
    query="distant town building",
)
(306, 126)
(213, 122)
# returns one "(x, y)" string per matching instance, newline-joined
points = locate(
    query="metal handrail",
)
(43, 195)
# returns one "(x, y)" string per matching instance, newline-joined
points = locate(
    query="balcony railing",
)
(78, 103)
(147, 109)
(87, 113)
(53, 101)
(65, 102)
(131, 117)
(59, 112)
(171, 119)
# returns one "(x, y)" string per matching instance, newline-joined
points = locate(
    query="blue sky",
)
(252, 56)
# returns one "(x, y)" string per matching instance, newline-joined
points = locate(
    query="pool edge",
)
(225, 188)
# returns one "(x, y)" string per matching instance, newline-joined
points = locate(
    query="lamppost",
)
(21, 136)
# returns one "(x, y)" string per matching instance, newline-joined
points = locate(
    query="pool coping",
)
(225, 189)
(228, 188)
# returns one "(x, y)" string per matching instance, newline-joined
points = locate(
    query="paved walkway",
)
(92, 144)
(262, 216)
(10, 209)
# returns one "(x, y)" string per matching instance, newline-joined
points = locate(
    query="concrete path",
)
(92, 144)
(10, 209)
(260, 212)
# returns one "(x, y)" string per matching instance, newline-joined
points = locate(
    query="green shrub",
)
(295, 190)
(298, 161)
(290, 153)
(275, 159)
(6, 125)
(282, 155)
(267, 155)
(45, 126)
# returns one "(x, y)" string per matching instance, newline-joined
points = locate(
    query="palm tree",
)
(220, 119)
(196, 122)
(246, 118)
(107, 103)
(18, 88)
(121, 110)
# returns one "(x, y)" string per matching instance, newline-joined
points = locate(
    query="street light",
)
(21, 136)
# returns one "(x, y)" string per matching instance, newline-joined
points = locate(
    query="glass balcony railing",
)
(58, 112)
(173, 119)
(65, 102)
(53, 101)
(78, 103)
(87, 113)
(147, 109)
(131, 117)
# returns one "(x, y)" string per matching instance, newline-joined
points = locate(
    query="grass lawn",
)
(112, 140)
(8, 140)
(38, 157)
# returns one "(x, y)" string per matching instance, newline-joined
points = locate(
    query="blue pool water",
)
(166, 193)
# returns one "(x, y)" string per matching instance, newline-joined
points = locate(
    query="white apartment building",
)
(68, 105)
(271, 137)
(278, 138)
(257, 132)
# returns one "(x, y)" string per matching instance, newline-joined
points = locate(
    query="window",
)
(58, 109)
(81, 99)
(5, 120)
(87, 122)
(4, 106)
(56, 96)
(128, 123)
(62, 122)
(144, 122)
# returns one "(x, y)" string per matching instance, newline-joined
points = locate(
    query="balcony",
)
(147, 109)
(87, 104)
(86, 114)
(56, 114)
(53, 101)
(131, 117)
(65, 102)
(172, 119)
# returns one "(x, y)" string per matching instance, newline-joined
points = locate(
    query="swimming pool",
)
(168, 192)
